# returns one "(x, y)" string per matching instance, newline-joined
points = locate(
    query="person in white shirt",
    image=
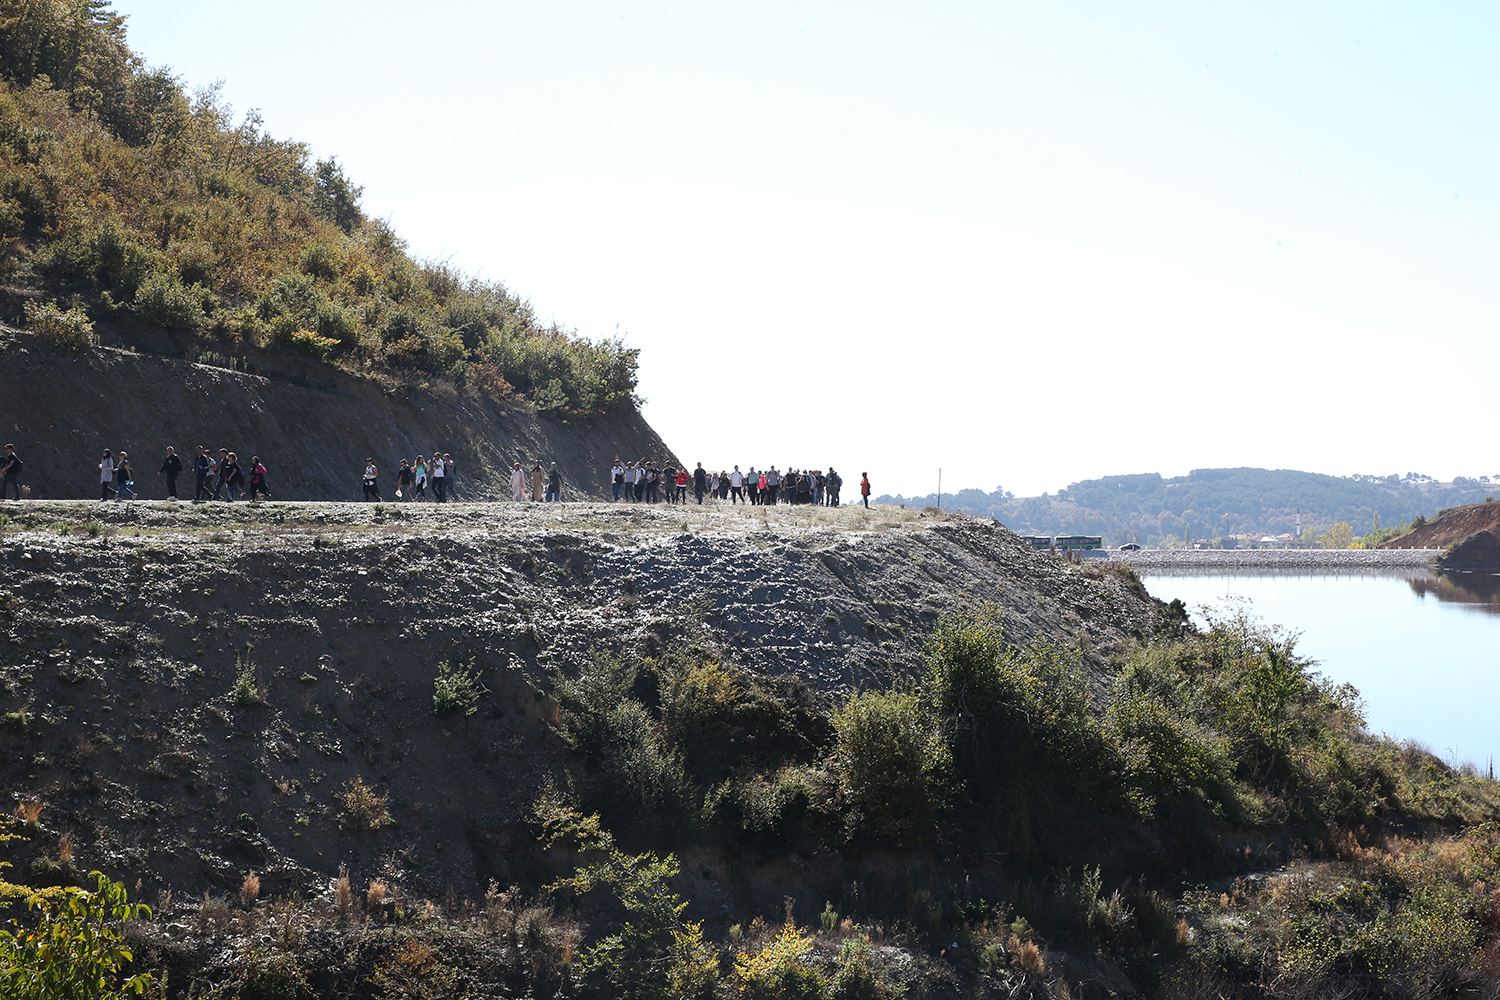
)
(106, 475)
(518, 483)
(439, 478)
(617, 477)
(372, 481)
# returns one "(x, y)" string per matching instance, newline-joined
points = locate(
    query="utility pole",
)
(940, 488)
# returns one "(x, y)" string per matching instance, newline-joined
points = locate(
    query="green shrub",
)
(68, 330)
(888, 757)
(293, 302)
(641, 774)
(105, 258)
(632, 768)
(367, 808)
(766, 803)
(309, 343)
(456, 689)
(246, 693)
(1020, 729)
(655, 953)
(857, 978)
(76, 948)
(165, 301)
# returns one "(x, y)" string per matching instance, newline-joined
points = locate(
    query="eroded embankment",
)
(125, 638)
(312, 426)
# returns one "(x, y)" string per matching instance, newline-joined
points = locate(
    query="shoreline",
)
(1301, 559)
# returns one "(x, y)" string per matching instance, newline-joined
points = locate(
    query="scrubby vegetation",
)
(123, 193)
(1212, 820)
(1084, 818)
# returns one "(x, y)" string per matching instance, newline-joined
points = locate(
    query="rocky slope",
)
(311, 424)
(127, 628)
(1471, 534)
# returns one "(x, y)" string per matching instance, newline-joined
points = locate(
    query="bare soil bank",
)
(312, 425)
(125, 633)
(1471, 534)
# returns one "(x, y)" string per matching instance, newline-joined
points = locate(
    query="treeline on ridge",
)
(122, 194)
(1215, 503)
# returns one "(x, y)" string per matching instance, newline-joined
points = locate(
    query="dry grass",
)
(1030, 959)
(29, 810)
(342, 896)
(250, 890)
(375, 895)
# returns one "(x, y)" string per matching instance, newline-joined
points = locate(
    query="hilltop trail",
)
(125, 636)
(312, 425)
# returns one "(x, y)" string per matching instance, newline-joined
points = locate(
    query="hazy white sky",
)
(1026, 242)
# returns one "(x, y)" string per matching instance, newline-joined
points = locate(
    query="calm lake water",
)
(1423, 649)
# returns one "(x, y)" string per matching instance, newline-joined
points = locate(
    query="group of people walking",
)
(222, 476)
(414, 477)
(545, 487)
(641, 482)
(214, 477)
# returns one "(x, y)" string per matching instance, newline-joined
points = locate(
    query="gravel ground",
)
(126, 626)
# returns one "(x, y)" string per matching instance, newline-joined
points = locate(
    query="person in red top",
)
(864, 488)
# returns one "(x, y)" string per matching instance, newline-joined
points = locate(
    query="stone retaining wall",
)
(1313, 559)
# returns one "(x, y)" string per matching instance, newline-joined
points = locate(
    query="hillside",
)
(311, 424)
(323, 740)
(135, 208)
(1214, 503)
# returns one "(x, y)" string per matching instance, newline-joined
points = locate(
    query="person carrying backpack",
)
(123, 482)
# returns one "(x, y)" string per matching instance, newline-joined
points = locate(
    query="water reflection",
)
(1478, 589)
(1482, 590)
(1406, 654)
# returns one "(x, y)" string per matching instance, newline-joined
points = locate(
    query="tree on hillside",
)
(1340, 536)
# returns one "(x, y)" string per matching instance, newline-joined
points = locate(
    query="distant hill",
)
(1213, 503)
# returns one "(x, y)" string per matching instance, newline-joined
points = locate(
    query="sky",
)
(1014, 244)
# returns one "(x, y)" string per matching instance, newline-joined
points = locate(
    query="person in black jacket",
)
(171, 467)
(202, 466)
(10, 467)
(700, 482)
